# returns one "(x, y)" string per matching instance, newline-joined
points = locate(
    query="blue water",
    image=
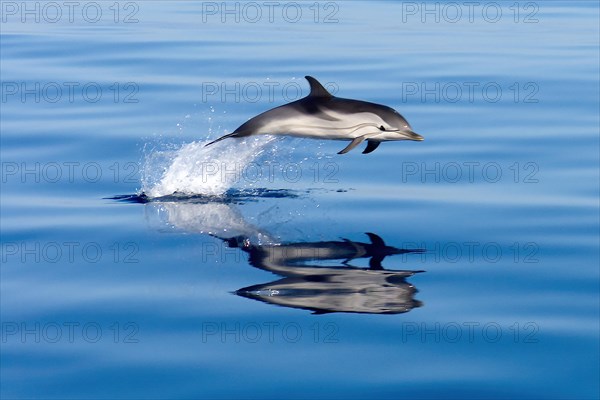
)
(478, 279)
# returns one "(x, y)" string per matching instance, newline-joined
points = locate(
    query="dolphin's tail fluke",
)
(234, 134)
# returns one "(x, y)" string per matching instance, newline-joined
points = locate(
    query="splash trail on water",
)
(194, 169)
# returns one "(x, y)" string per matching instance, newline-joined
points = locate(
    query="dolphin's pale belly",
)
(309, 126)
(302, 252)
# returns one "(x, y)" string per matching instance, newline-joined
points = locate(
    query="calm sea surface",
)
(463, 266)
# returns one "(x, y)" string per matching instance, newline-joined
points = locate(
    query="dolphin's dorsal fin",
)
(316, 89)
(375, 239)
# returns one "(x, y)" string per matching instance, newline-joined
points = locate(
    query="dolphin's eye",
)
(381, 128)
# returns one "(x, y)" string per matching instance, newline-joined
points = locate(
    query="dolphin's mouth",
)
(410, 135)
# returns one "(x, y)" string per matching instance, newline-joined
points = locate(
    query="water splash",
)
(224, 221)
(233, 196)
(195, 169)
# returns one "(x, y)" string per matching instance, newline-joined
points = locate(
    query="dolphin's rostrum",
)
(320, 115)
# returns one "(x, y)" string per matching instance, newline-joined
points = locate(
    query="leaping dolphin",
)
(320, 115)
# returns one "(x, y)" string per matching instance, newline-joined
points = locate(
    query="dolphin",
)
(269, 257)
(315, 276)
(310, 282)
(332, 289)
(320, 115)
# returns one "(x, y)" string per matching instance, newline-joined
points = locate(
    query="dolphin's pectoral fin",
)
(352, 144)
(371, 146)
(358, 141)
(375, 263)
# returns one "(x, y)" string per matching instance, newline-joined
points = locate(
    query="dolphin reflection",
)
(326, 289)
(311, 279)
